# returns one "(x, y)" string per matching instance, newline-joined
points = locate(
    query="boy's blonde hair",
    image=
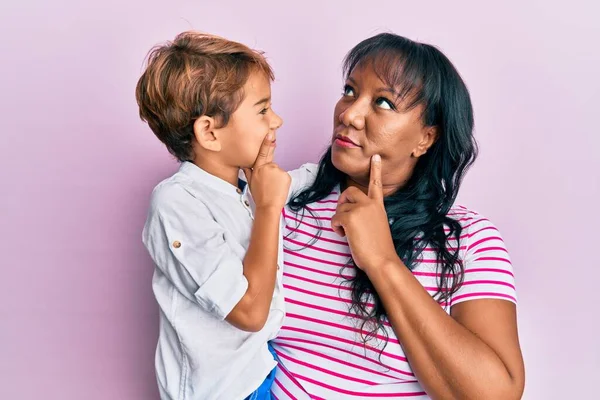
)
(196, 74)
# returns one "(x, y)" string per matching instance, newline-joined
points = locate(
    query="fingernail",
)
(377, 158)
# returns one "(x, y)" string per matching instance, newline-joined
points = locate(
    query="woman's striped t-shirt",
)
(320, 349)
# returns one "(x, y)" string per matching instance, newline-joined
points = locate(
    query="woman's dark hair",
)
(418, 211)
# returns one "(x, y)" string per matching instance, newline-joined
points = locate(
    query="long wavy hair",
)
(418, 212)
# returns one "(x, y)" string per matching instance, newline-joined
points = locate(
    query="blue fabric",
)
(264, 390)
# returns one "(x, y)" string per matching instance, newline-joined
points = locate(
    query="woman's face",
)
(369, 119)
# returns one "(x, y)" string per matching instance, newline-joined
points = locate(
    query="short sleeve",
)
(302, 178)
(189, 247)
(487, 265)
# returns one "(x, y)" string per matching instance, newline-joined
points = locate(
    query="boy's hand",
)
(269, 184)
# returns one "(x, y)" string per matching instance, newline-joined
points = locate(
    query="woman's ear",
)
(204, 132)
(430, 135)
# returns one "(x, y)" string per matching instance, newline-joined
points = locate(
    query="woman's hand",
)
(363, 220)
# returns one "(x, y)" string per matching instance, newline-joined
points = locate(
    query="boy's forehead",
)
(257, 86)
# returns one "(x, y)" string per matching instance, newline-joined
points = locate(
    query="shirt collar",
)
(199, 175)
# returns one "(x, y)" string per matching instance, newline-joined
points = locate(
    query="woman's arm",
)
(473, 353)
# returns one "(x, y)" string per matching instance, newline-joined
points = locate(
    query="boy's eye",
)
(384, 103)
(348, 91)
(264, 110)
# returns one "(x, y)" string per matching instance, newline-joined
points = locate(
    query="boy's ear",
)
(204, 131)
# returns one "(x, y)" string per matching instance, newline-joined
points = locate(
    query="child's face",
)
(250, 123)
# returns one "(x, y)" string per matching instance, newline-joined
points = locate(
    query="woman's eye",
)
(384, 103)
(348, 91)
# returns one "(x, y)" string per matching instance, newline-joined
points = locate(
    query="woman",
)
(391, 290)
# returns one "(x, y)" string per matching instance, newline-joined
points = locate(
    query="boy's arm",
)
(269, 185)
(260, 269)
(260, 263)
(190, 250)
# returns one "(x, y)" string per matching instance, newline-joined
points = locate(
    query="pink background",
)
(78, 319)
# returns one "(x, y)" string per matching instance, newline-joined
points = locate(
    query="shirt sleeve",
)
(189, 247)
(302, 178)
(488, 268)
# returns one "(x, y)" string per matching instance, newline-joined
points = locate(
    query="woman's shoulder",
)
(487, 265)
(478, 233)
(469, 219)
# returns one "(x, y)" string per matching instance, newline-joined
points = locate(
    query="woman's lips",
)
(344, 141)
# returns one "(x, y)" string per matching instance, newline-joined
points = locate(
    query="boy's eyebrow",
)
(265, 100)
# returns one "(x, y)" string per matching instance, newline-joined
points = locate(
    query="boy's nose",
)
(276, 122)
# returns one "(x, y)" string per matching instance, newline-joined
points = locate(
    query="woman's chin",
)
(350, 164)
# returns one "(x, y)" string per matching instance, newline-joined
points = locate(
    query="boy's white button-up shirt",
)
(197, 232)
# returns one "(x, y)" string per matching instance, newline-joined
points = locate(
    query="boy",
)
(216, 249)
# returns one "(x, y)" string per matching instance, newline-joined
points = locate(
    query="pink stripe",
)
(292, 339)
(432, 274)
(476, 222)
(342, 340)
(296, 289)
(320, 209)
(488, 282)
(329, 310)
(301, 278)
(448, 247)
(501, 271)
(339, 326)
(313, 217)
(502, 259)
(324, 370)
(457, 212)
(317, 354)
(317, 271)
(317, 237)
(310, 246)
(284, 389)
(432, 261)
(483, 229)
(435, 289)
(481, 250)
(493, 294)
(286, 216)
(327, 201)
(291, 377)
(461, 237)
(487, 239)
(352, 393)
(318, 260)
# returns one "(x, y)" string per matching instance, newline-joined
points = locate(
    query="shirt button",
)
(177, 244)
(247, 203)
(239, 190)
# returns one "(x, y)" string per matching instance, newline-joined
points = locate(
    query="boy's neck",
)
(227, 173)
